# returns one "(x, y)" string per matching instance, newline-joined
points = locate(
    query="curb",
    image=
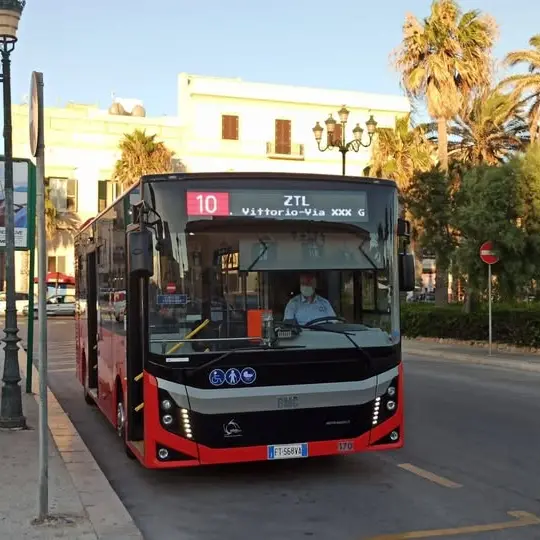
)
(443, 356)
(106, 512)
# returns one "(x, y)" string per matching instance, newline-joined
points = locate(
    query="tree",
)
(430, 199)
(400, 152)
(445, 58)
(501, 204)
(141, 154)
(526, 87)
(489, 130)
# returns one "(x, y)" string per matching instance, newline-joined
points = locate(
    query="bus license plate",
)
(287, 451)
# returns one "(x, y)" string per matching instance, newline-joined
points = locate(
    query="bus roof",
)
(241, 177)
(251, 176)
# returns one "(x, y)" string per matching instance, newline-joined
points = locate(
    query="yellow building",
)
(222, 125)
(81, 150)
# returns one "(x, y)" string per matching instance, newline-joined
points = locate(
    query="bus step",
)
(139, 445)
(93, 393)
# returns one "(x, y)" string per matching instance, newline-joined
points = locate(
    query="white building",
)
(233, 125)
(221, 125)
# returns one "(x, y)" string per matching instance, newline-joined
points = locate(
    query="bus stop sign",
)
(487, 253)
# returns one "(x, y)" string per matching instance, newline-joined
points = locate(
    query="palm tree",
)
(445, 58)
(400, 152)
(527, 83)
(141, 154)
(489, 131)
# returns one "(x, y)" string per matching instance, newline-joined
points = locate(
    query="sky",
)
(88, 50)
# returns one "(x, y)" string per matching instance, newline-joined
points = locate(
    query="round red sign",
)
(171, 288)
(487, 253)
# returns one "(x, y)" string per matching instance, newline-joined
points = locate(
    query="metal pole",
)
(31, 228)
(11, 413)
(489, 306)
(343, 159)
(43, 495)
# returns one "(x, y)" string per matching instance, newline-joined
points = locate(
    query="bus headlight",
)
(391, 405)
(166, 404)
(167, 419)
(391, 391)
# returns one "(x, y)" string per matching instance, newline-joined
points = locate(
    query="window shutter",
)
(283, 136)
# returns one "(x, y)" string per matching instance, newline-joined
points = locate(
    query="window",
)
(63, 194)
(107, 193)
(283, 137)
(56, 264)
(229, 127)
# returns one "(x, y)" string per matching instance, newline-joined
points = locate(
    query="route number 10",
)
(207, 204)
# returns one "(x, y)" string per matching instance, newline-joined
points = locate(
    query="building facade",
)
(221, 125)
(81, 151)
(233, 125)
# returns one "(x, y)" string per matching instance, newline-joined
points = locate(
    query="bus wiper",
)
(368, 258)
(260, 256)
(319, 329)
(224, 355)
(343, 333)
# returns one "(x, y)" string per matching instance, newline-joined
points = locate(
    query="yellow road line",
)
(429, 476)
(522, 519)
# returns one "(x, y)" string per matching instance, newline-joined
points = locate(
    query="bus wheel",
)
(121, 424)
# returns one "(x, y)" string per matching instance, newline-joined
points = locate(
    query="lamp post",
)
(339, 141)
(11, 413)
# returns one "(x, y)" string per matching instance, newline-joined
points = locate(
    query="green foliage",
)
(501, 204)
(430, 200)
(519, 326)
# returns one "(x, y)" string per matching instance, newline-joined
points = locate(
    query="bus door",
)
(92, 358)
(136, 323)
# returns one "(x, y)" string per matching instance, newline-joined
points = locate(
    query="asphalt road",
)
(470, 457)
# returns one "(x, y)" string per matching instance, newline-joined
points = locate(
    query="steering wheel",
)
(325, 319)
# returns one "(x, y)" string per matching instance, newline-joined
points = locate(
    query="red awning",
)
(58, 277)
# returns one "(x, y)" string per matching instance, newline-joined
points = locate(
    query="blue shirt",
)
(303, 311)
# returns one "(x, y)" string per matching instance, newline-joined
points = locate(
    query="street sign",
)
(171, 288)
(487, 253)
(36, 103)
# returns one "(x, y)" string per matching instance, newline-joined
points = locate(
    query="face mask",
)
(306, 290)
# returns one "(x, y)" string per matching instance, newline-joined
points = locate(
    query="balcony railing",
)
(284, 151)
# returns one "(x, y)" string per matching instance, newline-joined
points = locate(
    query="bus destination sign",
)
(347, 206)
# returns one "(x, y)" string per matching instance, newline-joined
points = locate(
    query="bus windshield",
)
(220, 282)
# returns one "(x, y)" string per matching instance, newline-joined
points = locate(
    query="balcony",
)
(292, 151)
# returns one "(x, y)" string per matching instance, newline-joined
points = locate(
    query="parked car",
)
(57, 305)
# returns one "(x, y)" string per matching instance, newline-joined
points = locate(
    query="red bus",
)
(261, 316)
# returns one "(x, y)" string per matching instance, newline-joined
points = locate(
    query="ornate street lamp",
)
(11, 413)
(339, 141)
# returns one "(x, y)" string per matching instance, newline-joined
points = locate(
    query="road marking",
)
(61, 370)
(429, 476)
(522, 519)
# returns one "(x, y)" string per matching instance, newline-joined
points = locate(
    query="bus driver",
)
(308, 305)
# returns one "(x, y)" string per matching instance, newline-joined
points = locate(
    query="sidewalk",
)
(83, 505)
(472, 355)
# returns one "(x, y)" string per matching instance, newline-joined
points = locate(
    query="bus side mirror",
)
(140, 250)
(403, 228)
(406, 272)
